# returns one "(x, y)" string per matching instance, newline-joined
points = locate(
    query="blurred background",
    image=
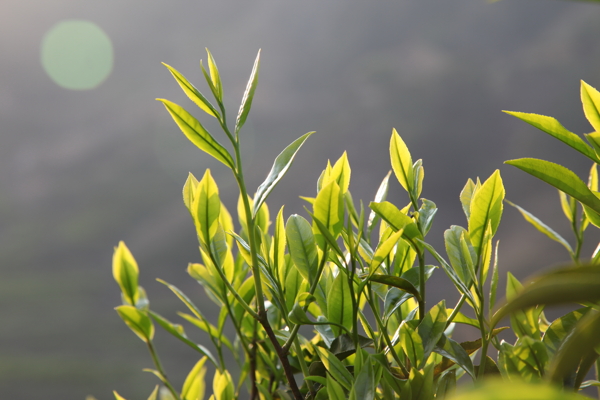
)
(88, 158)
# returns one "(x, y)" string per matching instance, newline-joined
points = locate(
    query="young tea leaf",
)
(125, 272)
(590, 98)
(302, 246)
(401, 161)
(197, 134)
(138, 321)
(339, 304)
(193, 387)
(248, 95)
(486, 208)
(193, 93)
(560, 177)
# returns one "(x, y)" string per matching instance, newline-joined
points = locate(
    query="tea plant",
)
(358, 277)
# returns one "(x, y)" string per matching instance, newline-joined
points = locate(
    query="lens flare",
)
(77, 54)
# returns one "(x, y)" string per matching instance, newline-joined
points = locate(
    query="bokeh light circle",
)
(77, 54)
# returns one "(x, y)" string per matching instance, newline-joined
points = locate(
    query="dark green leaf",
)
(455, 352)
(339, 303)
(397, 282)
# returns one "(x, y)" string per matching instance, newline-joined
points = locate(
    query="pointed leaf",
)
(215, 78)
(455, 352)
(125, 272)
(193, 93)
(248, 95)
(486, 208)
(282, 163)
(302, 246)
(590, 98)
(540, 226)
(138, 321)
(207, 206)
(328, 208)
(335, 367)
(401, 161)
(552, 127)
(197, 134)
(339, 303)
(560, 177)
(397, 282)
(193, 387)
(432, 328)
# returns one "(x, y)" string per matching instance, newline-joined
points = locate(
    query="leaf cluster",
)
(356, 276)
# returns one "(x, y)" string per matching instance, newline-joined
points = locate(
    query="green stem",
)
(312, 289)
(160, 369)
(304, 368)
(421, 257)
(386, 337)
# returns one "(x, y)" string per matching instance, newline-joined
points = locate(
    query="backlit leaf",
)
(248, 95)
(125, 272)
(193, 387)
(486, 208)
(208, 207)
(590, 98)
(138, 321)
(339, 303)
(193, 93)
(282, 163)
(552, 127)
(401, 161)
(196, 133)
(329, 210)
(540, 226)
(302, 246)
(559, 177)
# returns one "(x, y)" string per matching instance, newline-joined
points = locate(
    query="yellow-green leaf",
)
(125, 272)
(197, 134)
(207, 206)
(138, 321)
(193, 387)
(329, 210)
(486, 208)
(401, 161)
(193, 93)
(248, 95)
(590, 98)
(223, 387)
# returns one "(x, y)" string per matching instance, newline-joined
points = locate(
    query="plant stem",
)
(160, 369)
(421, 257)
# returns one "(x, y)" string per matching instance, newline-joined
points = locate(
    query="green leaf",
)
(500, 390)
(540, 226)
(397, 219)
(560, 328)
(138, 321)
(302, 246)
(455, 352)
(193, 387)
(446, 385)
(412, 344)
(426, 213)
(179, 333)
(281, 165)
(486, 208)
(329, 210)
(334, 389)
(396, 282)
(335, 367)
(340, 173)
(569, 285)
(461, 253)
(552, 127)
(215, 78)
(223, 387)
(560, 177)
(590, 98)
(364, 385)
(580, 342)
(154, 394)
(197, 134)
(419, 174)
(248, 95)
(208, 207)
(431, 329)
(383, 250)
(193, 93)
(189, 188)
(339, 303)
(380, 196)
(524, 322)
(125, 272)
(401, 161)
(118, 396)
(466, 195)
